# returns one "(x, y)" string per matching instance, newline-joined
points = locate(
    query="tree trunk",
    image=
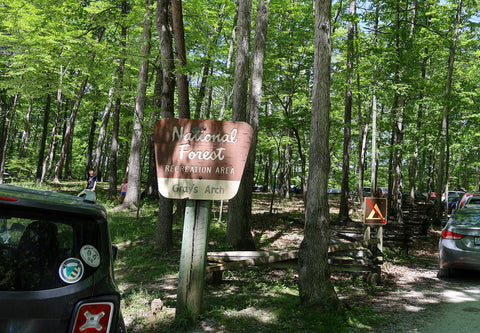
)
(91, 139)
(239, 208)
(69, 132)
(53, 132)
(163, 239)
(71, 121)
(6, 133)
(114, 145)
(315, 288)
(347, 130)
(43, 140)
(102, 133)
(228, 66)
(446, 109)
(374, 154)
(25, 132)
(182, 81)
(135, 158)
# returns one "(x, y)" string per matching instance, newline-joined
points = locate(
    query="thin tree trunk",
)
(446, 109)
(135, 158)
(114, 145)
(91, 139)
(53, 132)
(228, 66)
(71, 121)
(6, 133)
(43, 140)
(102, 133)
(182, 81)
(25, 131)
(347, 134)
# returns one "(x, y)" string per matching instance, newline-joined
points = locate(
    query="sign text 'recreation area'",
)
(200, 159)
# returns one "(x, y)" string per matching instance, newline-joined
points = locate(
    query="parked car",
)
(383, 192)
(459, 244)
(334, 191)
(367, 192)
(56, 264)
(466, 198)
(453, 198)
(430, 196)
(259, 188)
(297, 189)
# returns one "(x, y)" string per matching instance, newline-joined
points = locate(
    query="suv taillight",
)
(93, 318)
(447, 234)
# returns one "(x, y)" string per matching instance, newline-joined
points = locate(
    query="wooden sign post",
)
(200, 160)
(375, 214)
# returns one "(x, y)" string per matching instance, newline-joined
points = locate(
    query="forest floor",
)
(256, 299)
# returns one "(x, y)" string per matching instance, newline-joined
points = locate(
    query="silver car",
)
(459, 245)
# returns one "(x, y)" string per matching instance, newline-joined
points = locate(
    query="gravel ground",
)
(418, 301)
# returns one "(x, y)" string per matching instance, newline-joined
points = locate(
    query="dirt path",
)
(423, 303)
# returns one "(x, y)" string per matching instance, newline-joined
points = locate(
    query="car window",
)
(40, 254)
(466, 218)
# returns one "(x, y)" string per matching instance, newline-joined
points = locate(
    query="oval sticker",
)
(71, 270)
(90, 255)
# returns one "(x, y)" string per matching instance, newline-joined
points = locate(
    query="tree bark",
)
(43, 140)
(163, 238)
(53, 132)
(6, 132)
(445, 112)
(315, 288)
(114, 145)
(347, 130)
(134, 162)
(102, 133)
(239, 208)
(182, 81)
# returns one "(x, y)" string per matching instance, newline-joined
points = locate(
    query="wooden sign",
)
(375, 211)
(200, 159)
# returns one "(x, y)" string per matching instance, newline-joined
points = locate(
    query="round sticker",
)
(90, 255)
(71, 270)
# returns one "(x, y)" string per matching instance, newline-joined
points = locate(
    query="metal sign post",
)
(200, 160)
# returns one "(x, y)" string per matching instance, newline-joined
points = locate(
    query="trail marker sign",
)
(201, 159)
(375, 211)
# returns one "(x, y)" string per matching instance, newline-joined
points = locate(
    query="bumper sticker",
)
(90, 255)
(71, 270)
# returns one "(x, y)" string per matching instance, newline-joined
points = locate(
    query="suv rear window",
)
(40, 254)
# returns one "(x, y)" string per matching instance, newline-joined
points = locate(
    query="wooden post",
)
(380, 238)
(193, 259)
(366, 234)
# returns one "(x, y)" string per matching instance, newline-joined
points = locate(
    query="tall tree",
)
(134, 162)
(347, 135)
(163, 239)
(238, 221)
(114, 145)
(181, 54)
(315, 288)
(445, 111)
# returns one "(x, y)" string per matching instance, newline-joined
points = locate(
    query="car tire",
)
(445, 273)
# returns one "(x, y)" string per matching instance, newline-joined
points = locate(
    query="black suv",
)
(56, 264)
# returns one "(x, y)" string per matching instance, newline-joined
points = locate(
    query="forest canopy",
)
(61, 87)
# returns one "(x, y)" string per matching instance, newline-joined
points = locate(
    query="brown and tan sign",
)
(375, 211)
(200, 159)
